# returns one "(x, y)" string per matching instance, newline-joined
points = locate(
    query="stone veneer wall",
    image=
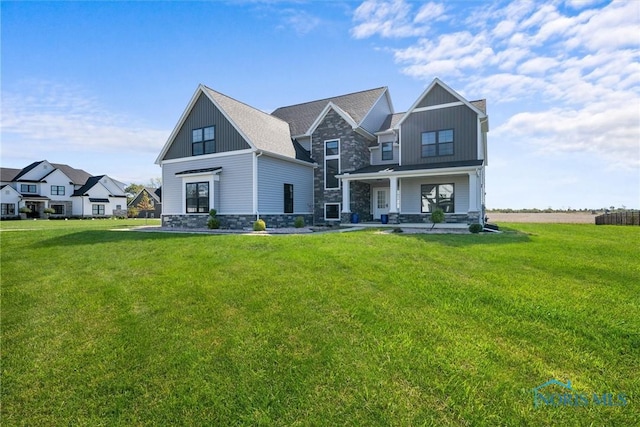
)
(233, 222)
(354, 154)
(426, 218)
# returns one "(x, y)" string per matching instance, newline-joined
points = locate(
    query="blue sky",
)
(100, 85)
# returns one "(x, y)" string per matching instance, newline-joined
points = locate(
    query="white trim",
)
(437, 107)
(325, 211)
(254, 164)
(386, 173)
(209, 177)
(208, 156)
(331, 157)
(289, 159)
(330, 105)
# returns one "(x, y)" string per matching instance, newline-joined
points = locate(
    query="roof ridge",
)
(243, 103)
(328, 99)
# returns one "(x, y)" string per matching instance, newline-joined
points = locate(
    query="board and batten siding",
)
(234, 191)
(436, 96)
(204, 113)
(462, 119)
(273, 173)
(411, 195)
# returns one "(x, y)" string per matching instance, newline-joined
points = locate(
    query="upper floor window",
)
(437, 143)
(387, 151)
(28, 188)
(203, 141)
(331, 164)
(57, 190)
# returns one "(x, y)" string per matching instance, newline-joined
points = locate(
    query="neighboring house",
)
(155, 199)
(326, 160)
(68, 191)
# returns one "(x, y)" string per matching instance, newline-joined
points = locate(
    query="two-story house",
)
(326, 160)
(68, 191)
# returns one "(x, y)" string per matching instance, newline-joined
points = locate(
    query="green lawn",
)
(103, 327)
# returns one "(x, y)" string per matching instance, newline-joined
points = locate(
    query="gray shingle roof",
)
(480, 104)
(390, 121)
(8, 174)
(263, 130)
(301, 116)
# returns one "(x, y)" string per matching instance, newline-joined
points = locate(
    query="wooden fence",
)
(619, 218)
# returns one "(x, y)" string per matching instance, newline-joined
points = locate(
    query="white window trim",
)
(325, 212)
(209, 177)
(331, 157)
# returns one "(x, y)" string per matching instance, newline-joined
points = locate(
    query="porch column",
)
(473, 192)
(346, 196)
(393, 194)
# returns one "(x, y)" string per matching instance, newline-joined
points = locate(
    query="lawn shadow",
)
(506, 237)
(91, 237)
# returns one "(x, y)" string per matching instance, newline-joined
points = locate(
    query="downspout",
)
(255, 183)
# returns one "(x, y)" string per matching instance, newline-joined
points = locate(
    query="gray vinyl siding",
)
(377, 115)
(436, 96)
(204, 114)
(234, 193)
(273, 174)
(461, 119)
(410, 192)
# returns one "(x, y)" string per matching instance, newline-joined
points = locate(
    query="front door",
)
(380, 202)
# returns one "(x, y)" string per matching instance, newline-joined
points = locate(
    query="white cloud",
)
(569, 75)
(394, 18)
(56, 117)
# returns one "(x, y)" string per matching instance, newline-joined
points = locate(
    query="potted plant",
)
(24, 211)
(48, 211)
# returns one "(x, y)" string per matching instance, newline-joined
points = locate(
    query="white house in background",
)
(68, 191)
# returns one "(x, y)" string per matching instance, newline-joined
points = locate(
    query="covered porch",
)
(408, 195)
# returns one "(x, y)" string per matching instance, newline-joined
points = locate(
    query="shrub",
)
(475, 228)
(437, 216)
(24, 209)
(49, 210)
(132, 212)
(213, 222)
(259, 225)
(298, 222)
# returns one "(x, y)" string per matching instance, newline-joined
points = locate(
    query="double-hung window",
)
(197, 200)
(387, 151)
(331, 164)
(203, 141)
(28, 188)
(437, 143)
(97, 209)
(57, 190)
(437, 196)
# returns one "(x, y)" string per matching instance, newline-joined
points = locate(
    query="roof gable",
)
(258, 129)
(438, 93)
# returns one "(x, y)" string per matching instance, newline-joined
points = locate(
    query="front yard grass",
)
(104, 327)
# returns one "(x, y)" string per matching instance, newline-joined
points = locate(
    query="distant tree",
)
(132, 212)
(145, 205)
(132, 191)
